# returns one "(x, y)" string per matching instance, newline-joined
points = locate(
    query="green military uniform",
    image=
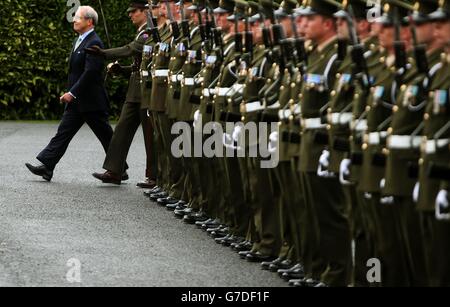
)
(188, 101)
(381, 101)
(178, 53)
(289, 202)
(232, 190)
(327, 228)
(403, 150)
(212, 179)
(159, 74)
(435, 149)
(340, 115)
(259, 98)
(133, 114)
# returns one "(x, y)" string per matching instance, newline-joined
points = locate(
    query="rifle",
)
(173, 22)
(420, 50)
(248, 39)
(238, 48)
(278, 38)
(399, 48)
(357, 52)
(184, 22)
(299, 44)
(151, 21)
(267, 39)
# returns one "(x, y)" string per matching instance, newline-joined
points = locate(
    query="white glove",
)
(415, 194)
(324, 163)
(382, 183)
(273, 144)
(387, 200)
(227, 141)
(442, 206)
(197, 116)
(237, 133)
(344, 171)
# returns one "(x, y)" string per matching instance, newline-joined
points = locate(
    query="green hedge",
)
(35, 40)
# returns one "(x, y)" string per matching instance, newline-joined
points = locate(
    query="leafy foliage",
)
(35, 41)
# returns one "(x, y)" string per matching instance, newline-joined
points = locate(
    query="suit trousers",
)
(70, 124)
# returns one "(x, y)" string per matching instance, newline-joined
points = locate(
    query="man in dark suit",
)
(86, 100)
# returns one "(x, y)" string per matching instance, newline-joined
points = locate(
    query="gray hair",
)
(89, 13)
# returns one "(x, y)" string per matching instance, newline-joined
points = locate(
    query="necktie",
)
(77, 44)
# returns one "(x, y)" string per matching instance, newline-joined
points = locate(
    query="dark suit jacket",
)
(86, 81)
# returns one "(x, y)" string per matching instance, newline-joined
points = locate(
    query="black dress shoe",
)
(222, 233)
(221, 239)
(295, 267)
(167, 201)
(243, 254)
(199, 224)
(108, 177)
(40, 170)
(146, 184)
(214, 223)
(156, 189)
(232, 239)
(245, 246)
(213, 229)
(181, 213)
(155, 196)
(295, 274)
(304, 282)
(292, 282)
(192, 218)
(266, 264)
(285, 264)
(125, 176)
(258, 257)
(179, 205)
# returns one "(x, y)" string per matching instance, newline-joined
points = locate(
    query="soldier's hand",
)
(442, 206)
(416, 192)
(114, 68)
(95, 50)
(344, 172)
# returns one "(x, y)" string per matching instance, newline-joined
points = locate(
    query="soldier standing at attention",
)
(329, 261)
(132, 114)
(435, 150)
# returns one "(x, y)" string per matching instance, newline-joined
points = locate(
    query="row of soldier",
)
(360, 95)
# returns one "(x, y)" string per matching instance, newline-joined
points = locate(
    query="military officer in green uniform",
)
(158, 69)
(380, 103)
(404, 139)
(132, 114)
(435, 149)
(283, 175)
(156, 29)
(340, 115)
(180, 45)
(327, 229)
